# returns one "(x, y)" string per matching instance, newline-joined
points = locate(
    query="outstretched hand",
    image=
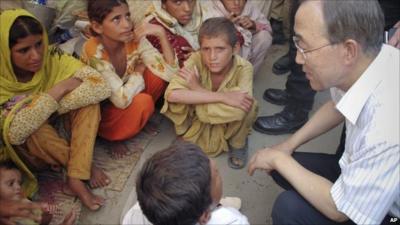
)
(264, 159)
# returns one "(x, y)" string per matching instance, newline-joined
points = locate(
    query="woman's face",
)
(27, 53)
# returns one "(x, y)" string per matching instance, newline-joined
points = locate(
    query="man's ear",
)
(236, 48)
(205, 217)
(96, 27)
(352, 51)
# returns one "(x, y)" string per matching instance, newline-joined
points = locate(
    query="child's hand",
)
(191, 77)
(188, 52)
(247, 23)
(239, 99)
(140, 68)
(147, 28)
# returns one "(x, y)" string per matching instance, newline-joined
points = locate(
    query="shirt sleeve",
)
(30, 116)
(154, 60)
(369, 184)
(92, 90)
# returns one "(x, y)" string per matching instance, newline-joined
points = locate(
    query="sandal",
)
(240, 154)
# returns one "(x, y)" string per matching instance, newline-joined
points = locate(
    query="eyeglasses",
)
(303, 51)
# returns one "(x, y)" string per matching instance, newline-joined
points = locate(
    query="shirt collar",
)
(352, 103)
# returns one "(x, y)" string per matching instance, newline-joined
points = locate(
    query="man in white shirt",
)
(339, 44)
(181, 186)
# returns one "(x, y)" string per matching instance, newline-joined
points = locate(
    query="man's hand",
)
(239, 99)
(9, 209)
(285, 147)
(265, 159)
(191, 77)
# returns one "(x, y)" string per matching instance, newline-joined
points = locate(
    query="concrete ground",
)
(258, 192)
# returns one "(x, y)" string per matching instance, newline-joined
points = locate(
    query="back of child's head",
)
(174, 185)
(99, 9)
(217, 27)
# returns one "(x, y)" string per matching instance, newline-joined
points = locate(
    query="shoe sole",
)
(270, 100)
(291, 131)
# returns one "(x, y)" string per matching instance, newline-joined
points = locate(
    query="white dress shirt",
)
(369, 185)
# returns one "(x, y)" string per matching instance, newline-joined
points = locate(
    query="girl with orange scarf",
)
(135, 70)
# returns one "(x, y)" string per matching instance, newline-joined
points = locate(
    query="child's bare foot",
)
(90, 200)
(151, 128)
(98, 178)
(118, 150)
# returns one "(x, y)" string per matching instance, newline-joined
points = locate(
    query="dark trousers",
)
(290, 207)
(301, 95)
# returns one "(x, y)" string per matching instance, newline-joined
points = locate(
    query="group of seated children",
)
(208, 98)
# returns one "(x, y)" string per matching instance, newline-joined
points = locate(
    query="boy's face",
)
(234, 6)
(216, 54)
(117, 25)
(181, 10)
(216, 183)
(10, 184)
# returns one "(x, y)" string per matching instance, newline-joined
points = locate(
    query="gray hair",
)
(360, 20)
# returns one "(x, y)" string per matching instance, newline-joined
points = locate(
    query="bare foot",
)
(90, 200)
(151, 128)
(118, 150)
(98, 178)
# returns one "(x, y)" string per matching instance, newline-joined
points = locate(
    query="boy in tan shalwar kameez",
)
(210, 100)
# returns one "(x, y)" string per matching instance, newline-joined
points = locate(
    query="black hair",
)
(174, 185)
(8, 165)
(22, 27)
(214, 27)
(99, 9)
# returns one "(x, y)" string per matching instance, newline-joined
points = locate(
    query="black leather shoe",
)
(281, 123)
(282, 65)
(276, 96)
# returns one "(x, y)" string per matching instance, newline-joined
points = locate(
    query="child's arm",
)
(158, 31)
(196, 94)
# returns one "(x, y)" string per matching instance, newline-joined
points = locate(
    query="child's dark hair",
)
(22, 27)
(174, 185)
(99, 9)
(218, 26)
(8, 165)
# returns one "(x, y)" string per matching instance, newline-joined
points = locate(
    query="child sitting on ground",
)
(181, 186)
(11, 190)
(210, 99)
(135, 70)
